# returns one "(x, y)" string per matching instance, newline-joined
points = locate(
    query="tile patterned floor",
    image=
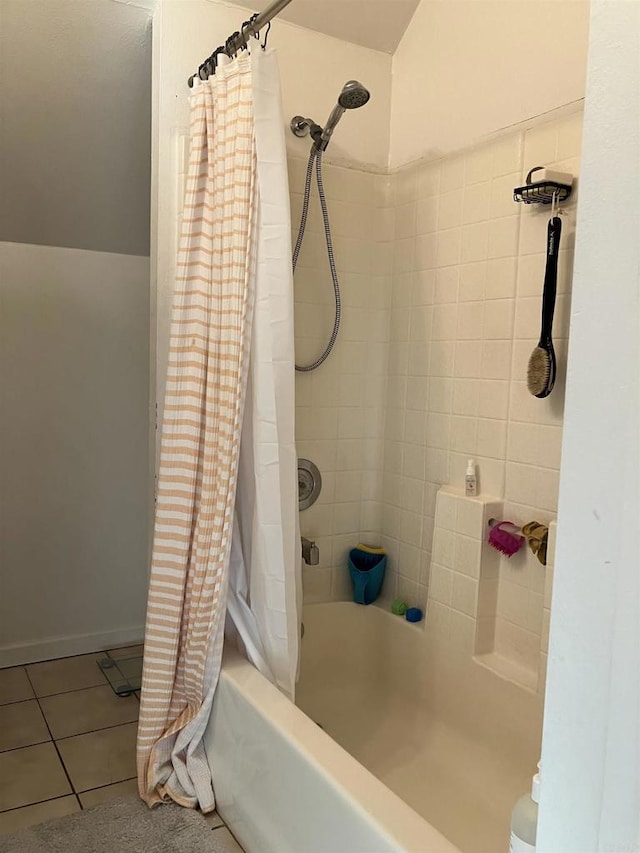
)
(67, 742)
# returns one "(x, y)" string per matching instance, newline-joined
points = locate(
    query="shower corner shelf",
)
(554, 185)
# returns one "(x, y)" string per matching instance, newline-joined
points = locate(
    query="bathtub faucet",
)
(310, 552)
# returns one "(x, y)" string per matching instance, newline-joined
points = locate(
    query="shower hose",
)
(316, 156)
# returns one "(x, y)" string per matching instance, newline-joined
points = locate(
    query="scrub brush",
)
(503, 540)
(541, 372)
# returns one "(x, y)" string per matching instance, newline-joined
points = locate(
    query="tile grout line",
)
(55, 746)
(61, 693)
(108, 785)
(95, 731)
(24, 746)
(37, 803)
(64, 796)
(64, 737)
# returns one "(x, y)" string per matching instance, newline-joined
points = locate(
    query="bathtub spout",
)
(310, 552)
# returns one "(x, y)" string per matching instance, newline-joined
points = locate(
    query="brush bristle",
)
(538, 371)
(505, 542)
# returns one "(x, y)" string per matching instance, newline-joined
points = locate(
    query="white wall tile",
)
(450, 209)
(470, 319)
(475, 242)
(478, 165)
(446, 510)
(503, 237)
(502, 203)
(501, 278)
(541, 145)
(468, 554)
(441, 584)
(476, 202)
(464, 595)
(468, 359)
(427, 215)
(496, 359)
(473, 281)
(469, 516)
(498, 319)
(492, 438)
(451, 174)
(448, 247)
(427, 179)
(426, 248)
(446, 285)
(507, 155)
(405, 220)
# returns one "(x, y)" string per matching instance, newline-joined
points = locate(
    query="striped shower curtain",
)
(232, 327)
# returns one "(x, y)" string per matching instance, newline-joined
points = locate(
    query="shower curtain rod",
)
(238, 40)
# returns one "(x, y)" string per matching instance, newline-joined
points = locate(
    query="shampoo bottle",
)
(524, 820)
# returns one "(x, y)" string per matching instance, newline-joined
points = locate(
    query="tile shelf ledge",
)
(509, 670)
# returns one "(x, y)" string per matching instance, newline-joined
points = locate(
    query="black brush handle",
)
(554, 230)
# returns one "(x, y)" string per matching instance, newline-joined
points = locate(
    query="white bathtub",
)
(400, 766)
(284, 786)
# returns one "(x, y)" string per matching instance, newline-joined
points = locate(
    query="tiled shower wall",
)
(441, 277)
(340, 405)
(468, 270)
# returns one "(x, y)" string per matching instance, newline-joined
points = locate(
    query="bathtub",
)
(386, 751)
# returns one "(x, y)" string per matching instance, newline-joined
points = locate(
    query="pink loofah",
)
(504, 541)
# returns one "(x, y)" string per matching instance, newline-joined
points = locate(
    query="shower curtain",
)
(226, 538)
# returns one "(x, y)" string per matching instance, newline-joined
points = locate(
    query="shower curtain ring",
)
(229, 43)
(245, 38)
(266, 36)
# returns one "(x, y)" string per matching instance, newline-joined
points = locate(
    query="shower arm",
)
(239, 39)
(300, 126)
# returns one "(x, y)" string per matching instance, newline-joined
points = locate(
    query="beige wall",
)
(75, 113)
(75, 497)
(466, 68)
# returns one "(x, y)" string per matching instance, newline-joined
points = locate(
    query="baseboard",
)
(63, 647)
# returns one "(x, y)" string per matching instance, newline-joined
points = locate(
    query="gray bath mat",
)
(125, 825)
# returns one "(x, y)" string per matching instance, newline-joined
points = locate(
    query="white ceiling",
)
(378, 24)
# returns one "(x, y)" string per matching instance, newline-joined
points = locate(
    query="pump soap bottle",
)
(470, 479)
(524, 819)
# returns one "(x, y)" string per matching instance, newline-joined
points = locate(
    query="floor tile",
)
(109, 792)
(21, 724)
(30, 815)
(100, 758)
(225, 842)
(214, 820)
(87, 710)
(60, 676)
(31, 775)
(126, 652)
(14, 685)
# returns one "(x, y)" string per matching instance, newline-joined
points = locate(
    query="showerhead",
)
(353, 95)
